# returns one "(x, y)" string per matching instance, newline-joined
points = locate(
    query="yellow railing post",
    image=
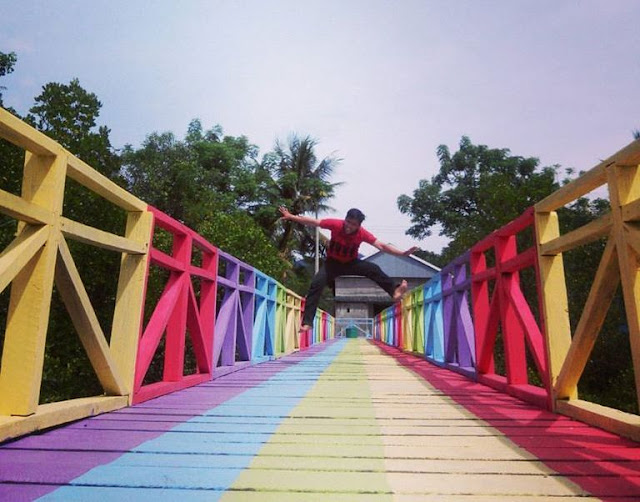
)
(624, 189)
(569, 353)
(127, 317)
(555, 301)
(39, 257)
(30, 302)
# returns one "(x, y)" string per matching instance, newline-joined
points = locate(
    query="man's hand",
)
(286, 215)
(411, 251)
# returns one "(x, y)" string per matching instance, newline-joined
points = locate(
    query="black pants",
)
(332, 269)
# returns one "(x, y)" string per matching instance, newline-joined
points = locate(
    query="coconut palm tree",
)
(302, 183)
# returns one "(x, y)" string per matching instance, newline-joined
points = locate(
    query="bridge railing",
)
(457, 325)
(499, 305)
(178, 311)
(227, 312)
(569, 352)
(533, 329)
(38, 258)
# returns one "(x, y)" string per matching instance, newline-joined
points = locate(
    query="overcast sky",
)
(380, 83)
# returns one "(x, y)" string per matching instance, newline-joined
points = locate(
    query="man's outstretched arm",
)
(304, 220)
(388, 248)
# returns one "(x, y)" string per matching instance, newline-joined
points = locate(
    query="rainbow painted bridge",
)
(348, 420)
(416, 410)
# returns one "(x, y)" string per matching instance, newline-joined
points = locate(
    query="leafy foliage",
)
(301, 183)
(477, 190)
(7, 63)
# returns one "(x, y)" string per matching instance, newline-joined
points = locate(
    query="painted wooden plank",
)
(165, 261)
(127, 317)
(155, 327)
(631, 211)
(84, 319)
(607, 418)
(624, 183)
(99, 238)
(23, 135)
(601, 294)
(103, 186)
(28, 316)
(224, 454)
(214, 393)
(553, 291)
(582, 185)
(49, 415)
(581, 236)
(20, 251)
(575, 450)
(19, 209)
(531, 329)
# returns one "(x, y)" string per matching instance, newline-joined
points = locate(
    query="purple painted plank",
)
(60, 455)
(24, 493)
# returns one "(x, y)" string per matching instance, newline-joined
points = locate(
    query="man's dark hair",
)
(355, 214)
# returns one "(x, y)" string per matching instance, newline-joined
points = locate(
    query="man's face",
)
(351, 226)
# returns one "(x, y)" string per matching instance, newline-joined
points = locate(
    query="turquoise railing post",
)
(433, 320)
(264, 324)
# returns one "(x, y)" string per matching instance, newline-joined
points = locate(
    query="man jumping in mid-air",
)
(342, 258)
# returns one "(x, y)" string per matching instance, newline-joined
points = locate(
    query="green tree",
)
(163, 172)
(68, 113)
(477, 190)
(192, 179)
(12, 156)
(7, 62)
(636, 134)
(209, 182)
(302, 183)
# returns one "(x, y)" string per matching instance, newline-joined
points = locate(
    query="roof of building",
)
(403, 266)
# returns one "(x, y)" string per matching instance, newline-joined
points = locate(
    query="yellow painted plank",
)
(632, 237)
(624, 187)
(20, 251)
(631, 211)
(50, 415)
(627, 156)
(85, 321)
(605, 284)
(103, 186)
(589, 181)
(23, 135)
(29, 305)
(328, 483)
(340, 466)
(127, 317)
(555, 302)
(616, 421)
(99, 238)
(581, 236)
(20, 209)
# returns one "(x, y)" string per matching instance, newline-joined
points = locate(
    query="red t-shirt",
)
(344, 247)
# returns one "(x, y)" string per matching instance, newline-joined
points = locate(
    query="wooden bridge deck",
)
(344, 421)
